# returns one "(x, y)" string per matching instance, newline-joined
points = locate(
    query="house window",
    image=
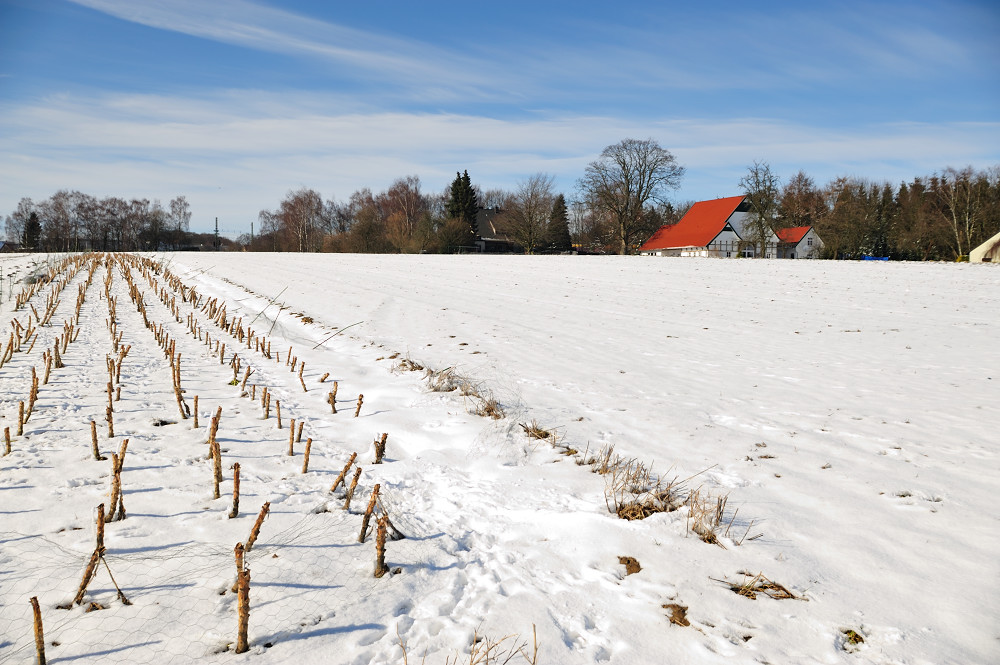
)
(728, 254)
(809, 242)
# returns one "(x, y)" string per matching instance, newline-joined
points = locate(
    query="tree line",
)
(938, 217)
(621, 199)
(71, 221)
(406, 219)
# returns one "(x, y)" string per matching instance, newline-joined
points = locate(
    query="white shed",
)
(799, 242)
(988, 252)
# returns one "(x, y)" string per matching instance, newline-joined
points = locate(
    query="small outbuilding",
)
(799, 242)
(988, 252)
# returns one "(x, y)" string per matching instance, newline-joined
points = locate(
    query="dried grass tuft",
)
(407, 364)
(604, 460)
(754, 584)
(443, 381)
(632, 491)
(448, 380)
(705, 515)
(485, 650)
(536, 431)
(707, 519)
(489, 407)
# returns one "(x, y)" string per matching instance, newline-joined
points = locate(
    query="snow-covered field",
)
(848, 411)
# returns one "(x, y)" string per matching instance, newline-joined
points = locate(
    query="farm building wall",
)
(988, 252)
(808, 247)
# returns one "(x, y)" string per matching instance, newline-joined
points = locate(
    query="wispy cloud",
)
(676, 59)
(260, 27)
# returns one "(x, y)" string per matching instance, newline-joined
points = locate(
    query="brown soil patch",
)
(631, 564)
(678, 614)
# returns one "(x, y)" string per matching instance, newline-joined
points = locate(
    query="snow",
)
(848, 412)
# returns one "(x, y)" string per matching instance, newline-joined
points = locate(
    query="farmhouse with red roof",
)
(716, 228)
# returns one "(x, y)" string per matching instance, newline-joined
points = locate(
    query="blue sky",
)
(234, 102)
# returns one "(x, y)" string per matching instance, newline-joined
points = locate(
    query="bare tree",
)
(87, 214)
(300, 214)
(491, 198)
(860, 218)
(802, 203)
(337, 217)
(920, 233)
(74, 221)
(134, 222)
(761, 188)
(367, 235)
(56, 216)
(962, 196)
(270, 230)
(155, 228)
(403, 207)
(17, 220)
(113, 211)
(526, 211)
(627, 176)
(590, 229)
(180, 220)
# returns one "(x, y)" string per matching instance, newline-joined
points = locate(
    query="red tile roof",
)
(697, 228)
(792, 234)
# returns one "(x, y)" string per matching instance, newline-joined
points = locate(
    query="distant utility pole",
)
(217, 243)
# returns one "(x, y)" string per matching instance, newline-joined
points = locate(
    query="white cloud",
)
(235, 153)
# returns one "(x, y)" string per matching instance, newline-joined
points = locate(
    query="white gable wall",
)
(738, 221)
(726, 245)
(807, 248)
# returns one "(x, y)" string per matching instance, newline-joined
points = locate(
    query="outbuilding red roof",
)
(792, 234)
(697, 228)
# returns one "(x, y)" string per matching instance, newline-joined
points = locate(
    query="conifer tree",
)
(32, 232)
(557, 237)
(463, 203)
